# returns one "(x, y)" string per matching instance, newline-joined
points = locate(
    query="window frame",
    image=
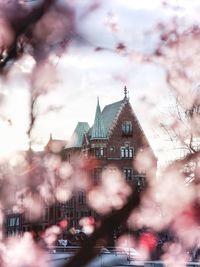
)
(81, 198)
(126, 152)
(128, 173)
(13, 221)
(100, 152)
(127, 128)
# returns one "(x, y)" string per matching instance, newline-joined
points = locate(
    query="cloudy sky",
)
(83, 73)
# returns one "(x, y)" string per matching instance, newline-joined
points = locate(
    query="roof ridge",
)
(116, 117)
(113, 104)
(109, 114)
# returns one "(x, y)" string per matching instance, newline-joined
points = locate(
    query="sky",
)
(83, 74)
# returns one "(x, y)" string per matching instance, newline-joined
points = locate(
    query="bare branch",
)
(105, 232)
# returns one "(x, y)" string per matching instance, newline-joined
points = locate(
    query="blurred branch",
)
(20, 25)
(32, 119)
(179, 163)
(104, 232)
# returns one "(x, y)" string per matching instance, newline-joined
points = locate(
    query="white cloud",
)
(134, 4)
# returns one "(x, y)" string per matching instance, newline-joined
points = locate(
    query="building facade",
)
(113, 141)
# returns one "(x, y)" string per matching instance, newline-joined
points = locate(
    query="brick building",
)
(113, 140)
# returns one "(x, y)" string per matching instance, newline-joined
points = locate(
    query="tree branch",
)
(102, 234)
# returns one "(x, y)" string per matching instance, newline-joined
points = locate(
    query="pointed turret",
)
(98, 129)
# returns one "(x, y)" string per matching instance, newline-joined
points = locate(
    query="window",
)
(140, 182)
(81, 197)
(127, 152)
(128, 173)
(127, 128)
(122, 152)
(99, 152)
(69, 203)
(13, 221)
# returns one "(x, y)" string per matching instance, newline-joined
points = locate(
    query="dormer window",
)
(127, 129)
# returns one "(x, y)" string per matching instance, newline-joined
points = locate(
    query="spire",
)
(98, 130)
(126, 93)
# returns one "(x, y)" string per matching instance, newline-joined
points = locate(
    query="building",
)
(55, 145)
(112, 142)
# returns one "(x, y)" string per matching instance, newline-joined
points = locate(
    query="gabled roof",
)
(98, 129)
(109, 113)
(81, 129)
(104, 120)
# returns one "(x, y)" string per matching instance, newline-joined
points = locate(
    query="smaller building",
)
(55, 145)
